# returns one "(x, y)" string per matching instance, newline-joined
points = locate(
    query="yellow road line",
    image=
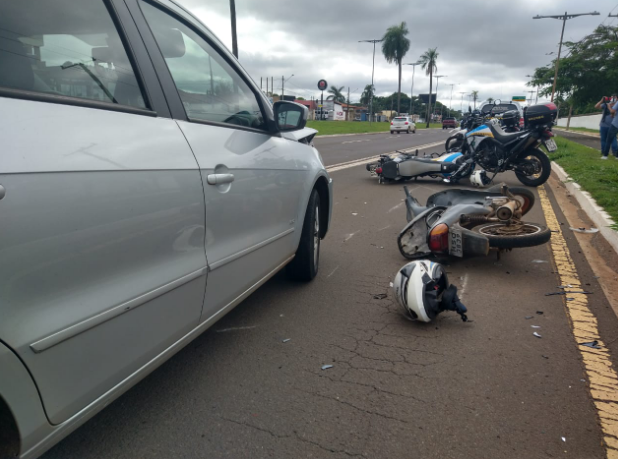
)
(602, 376)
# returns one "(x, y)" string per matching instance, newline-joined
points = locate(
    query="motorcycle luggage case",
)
(510, 118)
(540, 115)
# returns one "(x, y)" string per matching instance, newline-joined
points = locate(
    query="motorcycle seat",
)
(501, 136)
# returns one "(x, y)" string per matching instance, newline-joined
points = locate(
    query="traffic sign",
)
(519, 98)
(322, 85)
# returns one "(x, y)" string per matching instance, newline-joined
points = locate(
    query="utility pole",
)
(564, 18)
(450, 107)
(266, 86)
(531, 92)
(282, 87)
(347, 113)
(373, 65)
(437, 77)
(233, 18)
(412, 88)
(462, 94)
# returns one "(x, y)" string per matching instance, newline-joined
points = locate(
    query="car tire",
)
(391, 132)
(414, 131)
(304, 266)
(408, 131)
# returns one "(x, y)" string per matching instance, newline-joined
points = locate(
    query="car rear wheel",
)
(391, 132)
(408, 131)
(305, 265)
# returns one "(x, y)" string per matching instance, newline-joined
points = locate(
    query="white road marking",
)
(333, 272)
(362, 161)
(357, 141)
(386, 227)
(464, 284)
(223, 330)
(395, 207)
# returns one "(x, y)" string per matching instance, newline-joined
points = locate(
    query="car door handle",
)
(218, 179)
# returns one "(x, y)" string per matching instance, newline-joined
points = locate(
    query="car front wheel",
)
(305, 265)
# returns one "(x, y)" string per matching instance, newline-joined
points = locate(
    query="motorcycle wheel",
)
(518, 235)
(542, 161)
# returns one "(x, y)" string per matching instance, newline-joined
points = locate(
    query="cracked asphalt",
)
(397, 389)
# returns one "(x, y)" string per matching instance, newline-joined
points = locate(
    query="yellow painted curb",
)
(602, 376)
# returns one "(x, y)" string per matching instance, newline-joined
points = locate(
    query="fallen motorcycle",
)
(460, 223)
(406, 166)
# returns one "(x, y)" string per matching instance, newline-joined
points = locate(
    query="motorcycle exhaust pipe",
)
(506, 211)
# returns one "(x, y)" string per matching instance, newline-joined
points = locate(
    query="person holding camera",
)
(609, 125)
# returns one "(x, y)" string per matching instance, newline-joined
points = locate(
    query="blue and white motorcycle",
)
(406, 166)
(496, 151)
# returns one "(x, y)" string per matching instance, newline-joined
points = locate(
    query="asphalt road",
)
(589, 141)
(397, 389)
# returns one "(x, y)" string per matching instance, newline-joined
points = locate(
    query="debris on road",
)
(565, 286)
(355, 213)
(540, 261)
(528, 317)
(584, 230)
(545, 357)
(537, 335)
(326, 367)
(566, 291)
(563, 439)
(593, 344)
(539, 312)
(285, 340)
(380, 296)
(535, 326)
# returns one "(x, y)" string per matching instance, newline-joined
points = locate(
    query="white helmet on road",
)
(479, 178)
(422, 288)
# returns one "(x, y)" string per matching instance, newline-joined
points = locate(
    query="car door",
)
(253, 179)
(102, 212)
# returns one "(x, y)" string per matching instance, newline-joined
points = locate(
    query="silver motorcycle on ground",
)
(461, 223)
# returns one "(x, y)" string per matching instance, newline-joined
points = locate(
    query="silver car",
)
(146, 188)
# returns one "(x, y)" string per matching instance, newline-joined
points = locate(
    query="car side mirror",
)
(290, 116)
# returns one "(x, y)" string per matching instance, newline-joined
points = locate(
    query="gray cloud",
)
(483, 44)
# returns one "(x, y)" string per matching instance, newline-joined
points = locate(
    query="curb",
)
(587, 134)
(368, 133)
(601, 219)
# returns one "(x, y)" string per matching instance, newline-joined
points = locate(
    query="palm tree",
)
(475, 96)
(336, 94)
(395, 45)
(490, 100)
(428, 63)
(366, 95)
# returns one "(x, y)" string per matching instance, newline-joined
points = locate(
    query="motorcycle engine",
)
(490, 156)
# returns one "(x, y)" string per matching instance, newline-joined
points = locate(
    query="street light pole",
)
(564, 18)
(373, 65)
(462, 94)
(450, 107)
(437, 77)
(283, 85)
(412, 88)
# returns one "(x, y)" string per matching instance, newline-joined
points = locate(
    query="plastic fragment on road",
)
(563, 439)
(285, 340)
(584, 230)
(355, 213)
(379, 296)
(326, 367)
(540, 261)
(545, 357)
(593, 344)
(535, 326)
(528, 317)
(583, 292)
(539, 312)
(537, 335)
(565, 286)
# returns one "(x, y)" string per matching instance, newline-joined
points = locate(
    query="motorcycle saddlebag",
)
(541, 115)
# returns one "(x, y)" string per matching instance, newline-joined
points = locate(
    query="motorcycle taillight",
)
(438, 238)
(547, 134)
(378, 170)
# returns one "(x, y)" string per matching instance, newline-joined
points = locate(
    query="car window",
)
(210, 89)
(400, 119)
(54, 47)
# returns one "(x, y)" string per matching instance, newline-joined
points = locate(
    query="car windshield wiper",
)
(94, 77)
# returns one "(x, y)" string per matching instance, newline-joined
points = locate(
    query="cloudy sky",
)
(487, 45)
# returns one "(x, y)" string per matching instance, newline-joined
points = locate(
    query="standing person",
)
(606, 122)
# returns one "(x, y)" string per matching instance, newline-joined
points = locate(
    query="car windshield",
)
(401, 119)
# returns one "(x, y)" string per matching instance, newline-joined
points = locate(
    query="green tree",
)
(589, 71)
(475, 97)
(490, 99)
(428, 63)
(395, 45)
(365, 97)
(336, 94)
